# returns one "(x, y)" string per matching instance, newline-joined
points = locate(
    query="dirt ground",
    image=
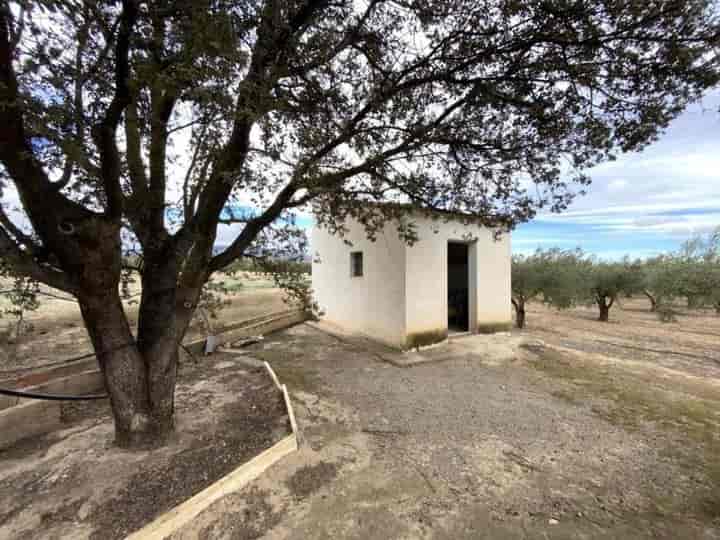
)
(74, 483)
(569, 438)
(58, 333)
(690, 345)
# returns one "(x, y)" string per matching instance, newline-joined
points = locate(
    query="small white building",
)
(455, 278)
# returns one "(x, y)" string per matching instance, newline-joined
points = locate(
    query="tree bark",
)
(157, 338)
(519, 305)
(140, 376)
(604, 307)
(653, 301)
(122, 366)
(140, 373)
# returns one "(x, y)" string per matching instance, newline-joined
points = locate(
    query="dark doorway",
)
(457, 272)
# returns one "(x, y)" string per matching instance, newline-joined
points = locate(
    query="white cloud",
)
(632, 210)
(617, 185)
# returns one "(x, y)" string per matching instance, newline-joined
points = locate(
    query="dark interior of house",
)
(458, 309)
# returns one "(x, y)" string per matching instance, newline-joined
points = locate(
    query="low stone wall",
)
(86, 382)
(34, 377)
(252, 327)
(28, 419)
(25, 417)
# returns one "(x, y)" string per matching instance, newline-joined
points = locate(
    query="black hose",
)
(49, 397)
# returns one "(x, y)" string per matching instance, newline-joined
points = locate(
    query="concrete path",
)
(469, 447)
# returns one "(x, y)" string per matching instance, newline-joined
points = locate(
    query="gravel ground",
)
(470, 448)
(75, 484)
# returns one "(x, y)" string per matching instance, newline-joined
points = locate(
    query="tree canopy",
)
(156, 124)
(606, 281)
(554, 276)
(700, 259)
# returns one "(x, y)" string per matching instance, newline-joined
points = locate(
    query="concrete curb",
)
(274, 378)
(291, 414)
(251, 327)
(176, 518)
(28, 419)
(181, 515)
(85, 382)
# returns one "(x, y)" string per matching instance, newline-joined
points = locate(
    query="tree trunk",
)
(122, 366)
(604, 306)
(519, 305)
(653, 301)
(140, 375)
(157, 338)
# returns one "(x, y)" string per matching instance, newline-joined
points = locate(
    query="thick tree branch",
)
(16, 152)
(106, 130)
(274, 38)
(15, 232)
(23, 263)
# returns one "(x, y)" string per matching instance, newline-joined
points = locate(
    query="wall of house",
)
(426, 280)
(372, 304)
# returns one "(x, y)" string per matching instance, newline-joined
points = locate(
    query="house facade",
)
(454, 279)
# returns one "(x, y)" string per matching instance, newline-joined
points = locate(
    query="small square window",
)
(356, 264)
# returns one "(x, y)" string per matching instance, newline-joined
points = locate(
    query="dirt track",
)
(691, 345)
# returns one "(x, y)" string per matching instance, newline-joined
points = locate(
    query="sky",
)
(643, 203)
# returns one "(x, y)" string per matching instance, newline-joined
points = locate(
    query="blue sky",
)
(644, 203)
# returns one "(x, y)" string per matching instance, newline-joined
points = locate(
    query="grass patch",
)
(631, 399)
(423, 339)
(491, 328)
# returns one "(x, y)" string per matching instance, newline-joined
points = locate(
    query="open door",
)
(458, 287)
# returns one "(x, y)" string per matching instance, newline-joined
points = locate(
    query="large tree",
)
(158, 121)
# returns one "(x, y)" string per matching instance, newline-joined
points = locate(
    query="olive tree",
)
(605, 281)
(163, 122)
(553, 276)
(700, 281)
(664, 279)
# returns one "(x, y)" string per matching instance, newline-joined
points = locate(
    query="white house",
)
(455, 278)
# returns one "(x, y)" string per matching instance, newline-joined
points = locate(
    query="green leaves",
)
(608, 280)
(555, 277)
